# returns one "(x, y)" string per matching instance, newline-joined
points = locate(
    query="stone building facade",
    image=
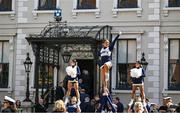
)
(151, 26)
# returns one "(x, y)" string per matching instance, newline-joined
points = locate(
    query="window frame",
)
(11, 13)
(126, 63)
(138, 10)
(35, 12)
(137, 35)
(42, 9)
(166, 37)
(169, 87)
(75, 11)
(9, 38)
(166, 8)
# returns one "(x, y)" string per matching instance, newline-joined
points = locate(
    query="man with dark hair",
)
(120, 106)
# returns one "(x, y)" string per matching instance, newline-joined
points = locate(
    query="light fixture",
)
(27, 65)
(144, 63)
(66, 54)
(57, 15)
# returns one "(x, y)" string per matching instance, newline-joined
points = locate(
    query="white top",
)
(71, 71)
(136, 72)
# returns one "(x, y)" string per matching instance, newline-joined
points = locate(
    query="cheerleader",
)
(73, 72)
(74, 107)
(106, 63)
(137, 75)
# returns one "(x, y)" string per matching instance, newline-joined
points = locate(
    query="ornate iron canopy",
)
(58, 31)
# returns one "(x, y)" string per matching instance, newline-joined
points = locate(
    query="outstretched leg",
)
(134, 87)
(142, 94)
(76, 87)
(105, 76)
(69, 87)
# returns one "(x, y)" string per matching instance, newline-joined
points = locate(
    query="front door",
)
(87, 75)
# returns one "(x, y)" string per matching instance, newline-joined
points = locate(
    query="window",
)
(5, 5)
(47, 5)
(126, 59)
(4, 64)
(174, 65)
(174, 3)
(127, 4)
(86, 4)
(46, 76)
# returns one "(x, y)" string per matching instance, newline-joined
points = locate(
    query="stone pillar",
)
(153, 77)
(21, 50)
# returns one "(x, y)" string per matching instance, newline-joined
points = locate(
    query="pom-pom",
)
(71, 71)
(136, 72)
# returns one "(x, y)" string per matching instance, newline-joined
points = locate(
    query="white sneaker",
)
(131, 102)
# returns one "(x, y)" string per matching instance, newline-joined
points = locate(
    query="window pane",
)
(5, 5)
(126, 60)
(174, 3)
(4, 74)
(1, 60)
(122, 51)
(5, 52)
(123, 80)
(174, 49)
(174, 78)
(47, 5)
(127, 4)
(174, 65)
(131, 51)
(86, 4)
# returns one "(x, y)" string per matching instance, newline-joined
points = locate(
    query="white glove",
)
(120, 32)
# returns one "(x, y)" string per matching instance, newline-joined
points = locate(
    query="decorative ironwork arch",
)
(47, 46)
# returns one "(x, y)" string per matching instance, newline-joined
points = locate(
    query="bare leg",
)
(105, 72)
(142, 92)
(133, 92)
(132, 95)
(69, 88)
(76, 87)
(143, 95)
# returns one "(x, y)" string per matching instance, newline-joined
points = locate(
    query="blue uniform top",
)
(72, 108)
(139, 80)
(105, 52)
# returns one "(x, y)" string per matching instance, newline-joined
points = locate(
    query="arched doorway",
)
(49, 45)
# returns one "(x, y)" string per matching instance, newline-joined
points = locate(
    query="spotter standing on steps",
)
(106, 63)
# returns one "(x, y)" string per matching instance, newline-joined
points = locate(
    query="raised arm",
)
(114, 41)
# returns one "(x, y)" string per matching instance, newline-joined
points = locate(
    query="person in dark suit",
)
(120, 106)
(60, 91)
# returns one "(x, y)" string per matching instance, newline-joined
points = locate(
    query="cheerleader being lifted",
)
(106, 63)
(137, 75)
(73, 72)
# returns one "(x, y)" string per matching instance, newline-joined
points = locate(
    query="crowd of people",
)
(92, 105)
